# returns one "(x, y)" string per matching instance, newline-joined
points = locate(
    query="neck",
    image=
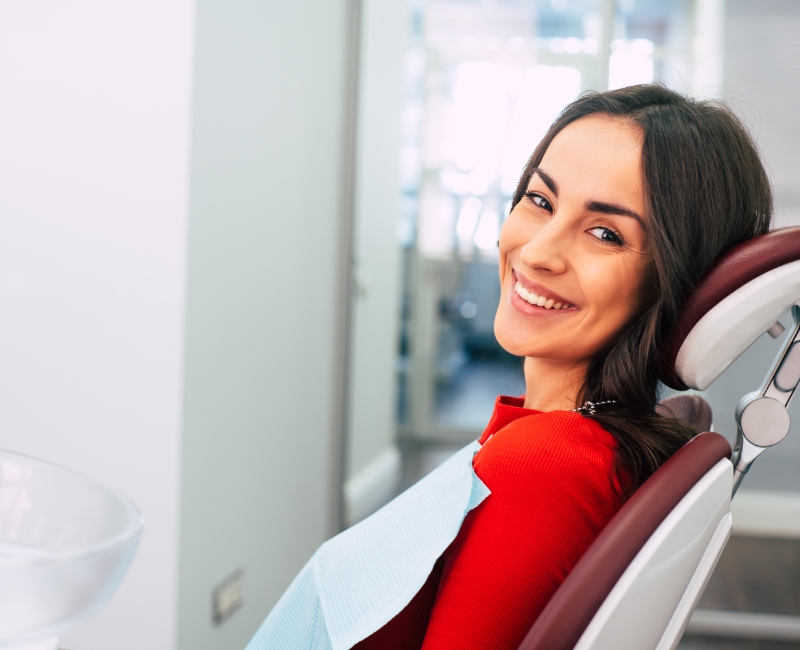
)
(552, 385)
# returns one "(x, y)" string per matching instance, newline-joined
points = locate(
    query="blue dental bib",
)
(358, 581)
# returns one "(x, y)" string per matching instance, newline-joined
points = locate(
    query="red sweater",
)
(553, 490)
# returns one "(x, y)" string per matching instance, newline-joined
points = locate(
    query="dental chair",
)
(637, 585)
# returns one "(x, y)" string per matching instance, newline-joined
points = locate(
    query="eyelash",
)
(532, 196)
(617, 238)
(617, 241)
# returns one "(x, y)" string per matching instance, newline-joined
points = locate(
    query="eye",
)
(539, 201)
(606, 235)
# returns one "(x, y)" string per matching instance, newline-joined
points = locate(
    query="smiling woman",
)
(660, 186)
(624, 205)
(573, 257)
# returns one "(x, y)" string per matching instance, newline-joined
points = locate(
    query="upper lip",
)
(540, 290)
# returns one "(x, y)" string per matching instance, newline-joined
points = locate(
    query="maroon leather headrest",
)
(735, 268)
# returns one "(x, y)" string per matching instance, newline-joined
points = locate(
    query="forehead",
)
(598, 156)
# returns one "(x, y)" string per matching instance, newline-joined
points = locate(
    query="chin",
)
(510, 339)
(531, 341)
(518, 349)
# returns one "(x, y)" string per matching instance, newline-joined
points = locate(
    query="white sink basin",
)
(65, 544)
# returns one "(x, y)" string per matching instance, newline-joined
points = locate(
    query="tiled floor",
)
(756, 575)
(753, 574)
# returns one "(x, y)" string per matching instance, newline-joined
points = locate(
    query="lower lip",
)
(528, 309)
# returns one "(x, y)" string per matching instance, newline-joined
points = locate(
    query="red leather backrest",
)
(573, 606)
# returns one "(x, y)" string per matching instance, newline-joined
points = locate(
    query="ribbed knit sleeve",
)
(551, 478)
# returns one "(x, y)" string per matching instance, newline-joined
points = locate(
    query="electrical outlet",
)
(227, 596)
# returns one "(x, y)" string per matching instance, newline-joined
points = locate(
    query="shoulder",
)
(556, 429)
(558, 441)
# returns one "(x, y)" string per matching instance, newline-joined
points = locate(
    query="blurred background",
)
(248, 266)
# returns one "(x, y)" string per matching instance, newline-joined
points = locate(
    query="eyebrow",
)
(611, 208)
(547, 179)
(590, 206)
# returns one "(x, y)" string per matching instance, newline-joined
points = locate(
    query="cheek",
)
(514, 234)
(508, 235)
(614, 292)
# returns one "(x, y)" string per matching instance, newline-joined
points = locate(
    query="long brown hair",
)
(706, 191)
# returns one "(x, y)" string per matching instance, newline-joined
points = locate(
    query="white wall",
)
(264, 299)
(762, 78)
(94, 152)
(373, 459)
(225, 436)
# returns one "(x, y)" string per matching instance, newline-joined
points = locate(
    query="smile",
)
(540, 301)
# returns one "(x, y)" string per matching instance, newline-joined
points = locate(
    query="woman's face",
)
(573, 252)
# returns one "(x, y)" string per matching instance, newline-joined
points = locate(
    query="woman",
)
(624, 205)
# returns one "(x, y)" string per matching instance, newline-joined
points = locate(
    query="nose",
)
(547, 250)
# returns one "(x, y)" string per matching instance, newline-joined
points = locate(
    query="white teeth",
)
(525, 294)
(541, 301)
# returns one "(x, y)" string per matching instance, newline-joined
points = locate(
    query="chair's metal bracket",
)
(762, 418)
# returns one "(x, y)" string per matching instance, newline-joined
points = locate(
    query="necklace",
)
(591, 407)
